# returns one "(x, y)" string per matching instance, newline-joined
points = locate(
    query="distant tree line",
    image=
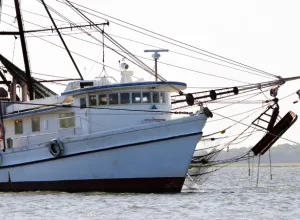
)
(284, 153)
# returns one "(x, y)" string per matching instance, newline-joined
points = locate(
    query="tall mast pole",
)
(2, 127)
(62, 39)
(24, 49)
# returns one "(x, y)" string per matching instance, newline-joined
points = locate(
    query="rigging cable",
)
(71, 51)
(182, 54)
(172, 65)
(252, 127)
(132, 59)
(234, 115)
(221, 137)
(64, 21)
(197, 58)
(245, 94)
(136, 60)
(168, 64)
(232, 125)
(43, 74)
(12, 59)
(271, 176)
(103, 61)
(261, 130)
(238, 101)
(223, 59)
(62, 40)
(215, 146)
(64, 48)
(37, 14)
(58, 46)
(60, 84)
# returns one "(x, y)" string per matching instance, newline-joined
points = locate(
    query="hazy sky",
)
(260, 33)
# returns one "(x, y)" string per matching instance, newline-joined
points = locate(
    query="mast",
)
(62, 40)
(2, 127)
(24, 51)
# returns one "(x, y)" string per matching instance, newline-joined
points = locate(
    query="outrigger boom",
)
(206, 96)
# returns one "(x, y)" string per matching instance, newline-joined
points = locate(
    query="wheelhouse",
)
(86, 107)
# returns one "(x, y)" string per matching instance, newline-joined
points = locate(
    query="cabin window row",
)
(66, 120)
(35, 125)
(125, 98)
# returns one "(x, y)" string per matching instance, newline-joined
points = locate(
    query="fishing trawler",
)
(111, 137)
(99, 135)
(95, 136)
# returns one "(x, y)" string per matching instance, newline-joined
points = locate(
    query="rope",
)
(103, 60)
(250, 126)
(12, 59)
(270, 164)
(212, 55)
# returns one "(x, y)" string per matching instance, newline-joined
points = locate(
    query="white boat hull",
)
(148, 158)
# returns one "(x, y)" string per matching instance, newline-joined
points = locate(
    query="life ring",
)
(56, 148)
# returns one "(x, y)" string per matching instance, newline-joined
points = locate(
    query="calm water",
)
(228, 194)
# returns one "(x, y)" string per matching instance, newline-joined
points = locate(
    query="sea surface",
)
(228, 194)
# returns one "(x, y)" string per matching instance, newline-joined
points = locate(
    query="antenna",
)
(156, 56)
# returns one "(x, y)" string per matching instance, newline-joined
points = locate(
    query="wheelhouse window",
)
(66, 120)
(162, 97)
(92, 100)
(136, 97)
(19, 126)
(155, 97)
(113, 98)
(35, 124)
(102, 99)
(125, 98)
(83, 102)
(146, 97)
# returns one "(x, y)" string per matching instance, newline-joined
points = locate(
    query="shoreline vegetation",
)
(262, 165)
(284, 155)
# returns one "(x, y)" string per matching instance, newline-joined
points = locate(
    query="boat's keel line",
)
(142, 185)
